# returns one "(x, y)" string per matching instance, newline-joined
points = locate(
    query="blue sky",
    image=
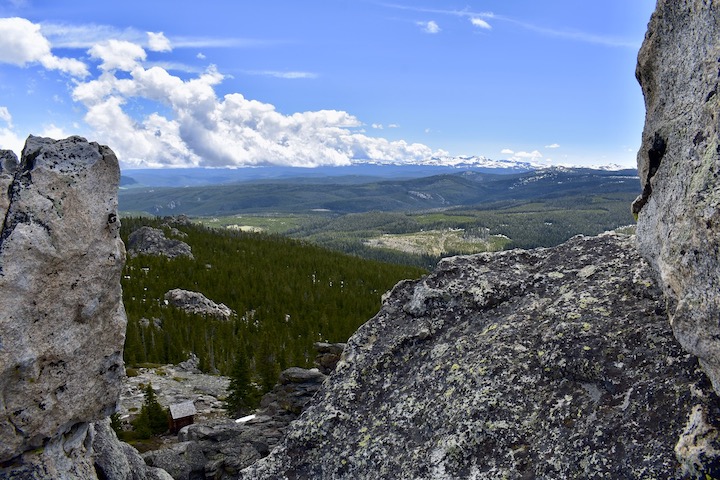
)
(326, 82)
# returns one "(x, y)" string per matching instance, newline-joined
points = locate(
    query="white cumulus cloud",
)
(22, 43)
(479, 22)
(158, 42)
(117, 55)
(429, 27)
(522, 156)
(553, 145)
(183, 121)
(534, 155)
(9, 140)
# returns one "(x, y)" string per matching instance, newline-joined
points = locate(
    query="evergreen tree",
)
(243, 395)
(142, 425)
(267, 367)
(153, 419)
(116, 423)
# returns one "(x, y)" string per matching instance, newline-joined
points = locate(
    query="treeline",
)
(287, 294)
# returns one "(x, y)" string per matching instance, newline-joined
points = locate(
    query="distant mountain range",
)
(356, 173)
(363, 188)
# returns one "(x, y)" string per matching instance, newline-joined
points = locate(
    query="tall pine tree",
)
(243, 395)
(153, 418)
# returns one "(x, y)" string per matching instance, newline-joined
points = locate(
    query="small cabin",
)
(181, 415)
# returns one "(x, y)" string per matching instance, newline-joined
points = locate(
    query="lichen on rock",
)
(550, 363)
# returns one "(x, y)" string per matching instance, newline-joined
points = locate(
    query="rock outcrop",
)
(152, 241)
(551, 363)
(219, 449)
(62, 322)
(197, 303)
(294, 390)
(175, 384)
(328, 355)
(679, 162)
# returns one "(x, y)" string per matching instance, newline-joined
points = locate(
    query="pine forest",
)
(287, 294)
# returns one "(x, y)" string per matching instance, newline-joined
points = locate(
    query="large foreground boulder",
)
(62, 322)
(551, 363)
(679, 163)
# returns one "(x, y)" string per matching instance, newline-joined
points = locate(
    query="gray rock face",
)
(294, 390)
(197, 303)
(8, 166)
(87, 452)
(115, 460)
(64, 457)
(679, 162)
(63, 324)
(152, 241)
(551, 363)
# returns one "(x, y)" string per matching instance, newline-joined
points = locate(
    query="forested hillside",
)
(287, 294)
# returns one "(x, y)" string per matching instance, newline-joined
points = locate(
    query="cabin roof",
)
(181, 410)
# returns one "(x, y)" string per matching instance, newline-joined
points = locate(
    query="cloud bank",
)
(188, 123)
(532, 157)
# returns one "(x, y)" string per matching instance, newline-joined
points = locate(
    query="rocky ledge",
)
(175, 384)
(550, 363)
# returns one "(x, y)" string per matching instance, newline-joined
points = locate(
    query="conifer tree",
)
(153, 419)
(243, 396)
(267, 367)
